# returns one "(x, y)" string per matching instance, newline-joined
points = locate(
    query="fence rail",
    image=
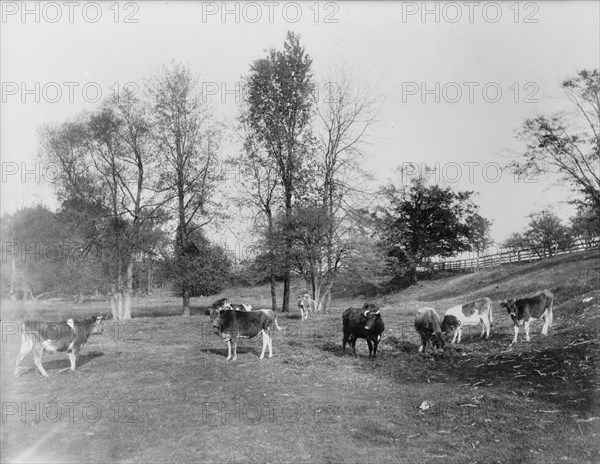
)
(512, 256)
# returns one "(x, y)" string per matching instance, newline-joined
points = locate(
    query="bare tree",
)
(187, 138)
(344, 118)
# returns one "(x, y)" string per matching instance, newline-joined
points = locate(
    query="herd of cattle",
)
(234, 321)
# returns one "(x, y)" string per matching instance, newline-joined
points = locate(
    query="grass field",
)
(158, 389)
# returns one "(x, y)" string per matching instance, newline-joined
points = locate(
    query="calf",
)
(523, 310)
(231, 325)
(55, 337)
(306, 304)
(362, 323)
(427, 323)
(476, 312)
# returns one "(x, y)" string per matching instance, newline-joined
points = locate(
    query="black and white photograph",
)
(300, 232)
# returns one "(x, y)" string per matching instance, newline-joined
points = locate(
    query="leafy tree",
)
(546, 234)
(204, 269)
(568, 143)
(586, 225)
(278, 116)
(515, 241)
(420, 222)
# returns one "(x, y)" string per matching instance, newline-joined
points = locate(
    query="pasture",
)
(158, 388)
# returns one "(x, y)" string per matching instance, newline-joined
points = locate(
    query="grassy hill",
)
(167, 394)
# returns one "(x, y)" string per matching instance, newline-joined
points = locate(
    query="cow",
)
(219, 303)
(523, 310)
(306, 304)
(427, 324)
(231, 325)
(476, 312)
(237, 307)
(365, 322)
(56, 337)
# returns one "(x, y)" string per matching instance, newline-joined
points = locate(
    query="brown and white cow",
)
(56, 337)
(306, 304)
(524, 310)
(427, 324)
(231, 325)
(476, 312)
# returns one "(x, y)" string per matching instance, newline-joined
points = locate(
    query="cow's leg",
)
(352, 342)
(527, 337)
(38, 350)
(423, 342)
(234, 348)
(458, 333)
(485, 327)
(265, 338)
(228, 350)
(344, 341)
(516, 328)
(73, 359)
(375, 345)
(270, 340)
(26, 346)
(547, 321)
(370, 347)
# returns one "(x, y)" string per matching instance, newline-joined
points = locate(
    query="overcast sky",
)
(457, 78)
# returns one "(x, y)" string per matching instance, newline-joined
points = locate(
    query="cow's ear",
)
(503, 303)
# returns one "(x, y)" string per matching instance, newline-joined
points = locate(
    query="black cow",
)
(56, 337)
(427, 323)
(231, 325)
(362, 323)
(523, 310)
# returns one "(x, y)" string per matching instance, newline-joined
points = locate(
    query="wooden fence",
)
(511, 256)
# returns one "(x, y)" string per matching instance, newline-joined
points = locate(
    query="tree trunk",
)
(273, 292)
(13, 278)
(186, 302)
(128, 291)
(150, 277)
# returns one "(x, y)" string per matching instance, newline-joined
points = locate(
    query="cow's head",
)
(438, 340)
(95, 323)
(511, 308)
(215, 316)
(449, 324)
(371, 314)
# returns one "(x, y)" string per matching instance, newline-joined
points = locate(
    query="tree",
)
(107, 178)
(546, 234)
(344, 119)
(586, 225)
(568, 144)
(278, 115)
(187, 138)
(515, 242)
(419, 222)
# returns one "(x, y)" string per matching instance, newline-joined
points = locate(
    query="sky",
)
(456, 79)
